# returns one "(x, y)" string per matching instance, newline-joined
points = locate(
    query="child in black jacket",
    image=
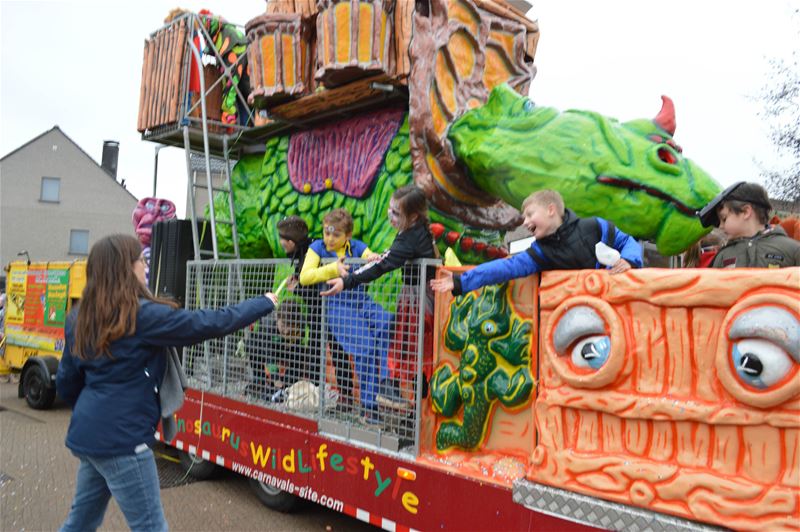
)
(280, 354)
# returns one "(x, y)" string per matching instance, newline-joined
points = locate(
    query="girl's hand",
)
(342, 267)
(620, 266)
(336, 286)
(272, 297)
(443, 284)
(374, 258)
(292, 284)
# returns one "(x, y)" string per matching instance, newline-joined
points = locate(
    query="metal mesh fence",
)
(353, 360)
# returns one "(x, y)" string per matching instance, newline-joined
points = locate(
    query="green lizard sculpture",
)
(631, 173)
(495, 365)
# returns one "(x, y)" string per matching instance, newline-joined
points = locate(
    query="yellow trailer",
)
(39, 296)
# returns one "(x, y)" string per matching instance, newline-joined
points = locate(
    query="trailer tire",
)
(198, 468)
(274, 498)
(35, 387)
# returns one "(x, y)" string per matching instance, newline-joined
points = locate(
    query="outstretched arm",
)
(399, 252)
(165, 326)
(313, 273)
(495, 272)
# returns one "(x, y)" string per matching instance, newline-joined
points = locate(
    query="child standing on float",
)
(408, 214)
(355, 324)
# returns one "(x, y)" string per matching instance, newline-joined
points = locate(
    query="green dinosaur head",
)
(631, 173)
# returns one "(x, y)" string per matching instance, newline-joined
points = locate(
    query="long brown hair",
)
(413, 207)
(110, 300)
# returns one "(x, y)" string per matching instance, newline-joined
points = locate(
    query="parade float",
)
(686, 415)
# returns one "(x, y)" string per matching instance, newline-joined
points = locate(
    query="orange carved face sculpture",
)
(674, 390)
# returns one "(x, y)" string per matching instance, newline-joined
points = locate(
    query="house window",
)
(78, 242)
(51, 190)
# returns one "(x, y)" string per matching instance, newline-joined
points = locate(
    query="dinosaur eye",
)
(150, 205)
(489, 327)
(667, 156)
(164, 208)
(591, 352)
(528, 106)
(760, 363)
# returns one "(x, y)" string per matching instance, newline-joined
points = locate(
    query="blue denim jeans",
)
(131, 479)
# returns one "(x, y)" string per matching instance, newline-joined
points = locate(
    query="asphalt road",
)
(37, 482)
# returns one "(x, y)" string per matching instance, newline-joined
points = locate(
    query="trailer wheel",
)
(38, 394)
(198, 468)
(275, 498)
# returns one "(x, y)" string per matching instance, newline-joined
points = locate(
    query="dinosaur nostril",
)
(667, 156)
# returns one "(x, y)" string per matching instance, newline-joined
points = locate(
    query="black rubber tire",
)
(36, 388)
(198, 468)
(274, 498)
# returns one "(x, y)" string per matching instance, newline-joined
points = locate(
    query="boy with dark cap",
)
(742, 211)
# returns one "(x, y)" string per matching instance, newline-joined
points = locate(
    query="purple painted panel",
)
(349, 153)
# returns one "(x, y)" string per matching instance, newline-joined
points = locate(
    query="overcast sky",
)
(77, 64)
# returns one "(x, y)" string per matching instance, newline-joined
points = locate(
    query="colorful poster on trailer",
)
(15, 300)
(35, 290)
(56, 298)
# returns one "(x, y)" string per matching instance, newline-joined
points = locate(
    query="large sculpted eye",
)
(586, 342)
(582, 329)
(489, 328)
(760, 363)
(758, 356)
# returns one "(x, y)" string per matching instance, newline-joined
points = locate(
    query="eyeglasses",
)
(142, 259)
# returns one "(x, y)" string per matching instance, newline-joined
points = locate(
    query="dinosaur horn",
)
(665, 119)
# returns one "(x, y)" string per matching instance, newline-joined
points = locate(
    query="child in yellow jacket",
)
(356, 324)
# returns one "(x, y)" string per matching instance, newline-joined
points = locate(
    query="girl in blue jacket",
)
(113, 363)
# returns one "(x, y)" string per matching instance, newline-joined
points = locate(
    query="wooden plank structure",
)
(354, 38)
(159, 97)
(279, 55)
(341, 43)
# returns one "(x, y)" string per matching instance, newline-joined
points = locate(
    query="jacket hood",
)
(570, 219)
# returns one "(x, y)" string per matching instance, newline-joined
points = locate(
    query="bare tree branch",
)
(781, 110)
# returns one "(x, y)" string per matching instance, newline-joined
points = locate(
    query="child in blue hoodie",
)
(563, 242)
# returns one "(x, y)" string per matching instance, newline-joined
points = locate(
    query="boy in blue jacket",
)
(563, 242)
